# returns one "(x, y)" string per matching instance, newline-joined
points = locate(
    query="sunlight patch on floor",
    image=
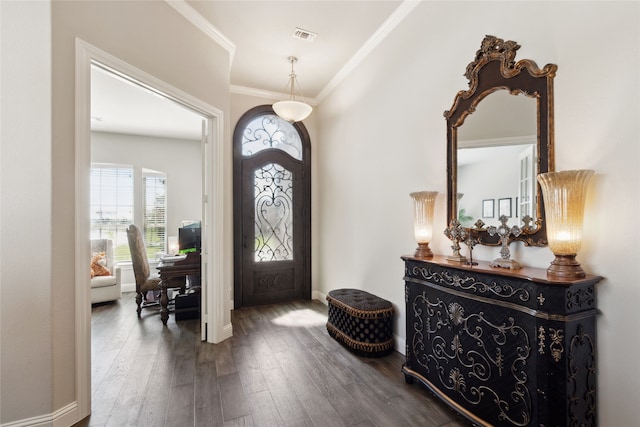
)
(301, 318)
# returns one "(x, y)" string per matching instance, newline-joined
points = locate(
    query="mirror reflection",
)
(496, 160)
(507, 111)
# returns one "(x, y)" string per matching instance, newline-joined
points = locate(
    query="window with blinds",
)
(155, 211)
(111, 206)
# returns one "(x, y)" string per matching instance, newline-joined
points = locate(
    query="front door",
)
(272, 200)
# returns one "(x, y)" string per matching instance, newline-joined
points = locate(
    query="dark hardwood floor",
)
(281, 368)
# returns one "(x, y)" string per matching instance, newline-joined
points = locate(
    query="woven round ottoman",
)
(360, 321)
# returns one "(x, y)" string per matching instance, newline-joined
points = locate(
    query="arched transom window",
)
(270, 131)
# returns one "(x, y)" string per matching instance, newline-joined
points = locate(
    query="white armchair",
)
(106, 288)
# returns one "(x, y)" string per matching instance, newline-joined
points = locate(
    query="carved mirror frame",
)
(494, 68)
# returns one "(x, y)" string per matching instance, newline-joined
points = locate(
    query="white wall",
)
(181, 160)
(136, 33)
(26, 338)
(494, 177)
(38, 333)
(379, 136)
(383, 135)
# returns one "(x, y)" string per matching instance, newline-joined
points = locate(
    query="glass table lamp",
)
(564, 198)
(172, 244)
(424, 203)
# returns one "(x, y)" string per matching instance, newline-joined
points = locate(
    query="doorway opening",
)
(146, 168)
(216, 310)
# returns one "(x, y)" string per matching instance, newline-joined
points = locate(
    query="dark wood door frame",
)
(304, 205)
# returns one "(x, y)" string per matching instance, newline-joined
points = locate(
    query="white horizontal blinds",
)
(111, 206)
(155, 212)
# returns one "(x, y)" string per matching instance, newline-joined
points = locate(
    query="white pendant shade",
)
(292, 111)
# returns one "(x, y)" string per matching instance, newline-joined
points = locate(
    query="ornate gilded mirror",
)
(495, 153)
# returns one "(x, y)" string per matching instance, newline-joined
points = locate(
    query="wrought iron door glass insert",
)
(273, 213)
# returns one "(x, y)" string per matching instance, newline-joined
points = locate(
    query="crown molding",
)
(405, 8)
(191, 15)
(260, 93)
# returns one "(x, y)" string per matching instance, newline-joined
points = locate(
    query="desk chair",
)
(144, 283)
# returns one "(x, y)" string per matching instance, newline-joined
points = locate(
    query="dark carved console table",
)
(506, 348)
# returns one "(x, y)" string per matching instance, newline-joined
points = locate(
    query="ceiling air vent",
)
(301, 34)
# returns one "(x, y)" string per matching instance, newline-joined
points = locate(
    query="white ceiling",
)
(120, 106)
(259, 37)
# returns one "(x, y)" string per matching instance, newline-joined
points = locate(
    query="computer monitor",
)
(189, 238)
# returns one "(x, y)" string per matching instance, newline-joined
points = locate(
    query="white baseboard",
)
(320, 297)
(400, 345)
(63, 417)
(227, 330)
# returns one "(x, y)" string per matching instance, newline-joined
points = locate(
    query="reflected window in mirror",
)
(513, 180)
(497, 158)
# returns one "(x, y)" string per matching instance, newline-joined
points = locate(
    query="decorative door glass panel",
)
(273, 187)
(270, 131)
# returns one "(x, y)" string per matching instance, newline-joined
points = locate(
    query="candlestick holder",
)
(456, 233)
(504, 232)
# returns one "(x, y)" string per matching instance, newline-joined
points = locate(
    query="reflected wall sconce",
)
(423, 206)
(564, 196)
(292, 110)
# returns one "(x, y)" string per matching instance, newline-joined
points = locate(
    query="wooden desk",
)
(172, 275)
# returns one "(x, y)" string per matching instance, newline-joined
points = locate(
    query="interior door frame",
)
(237, 199)
(214, 241)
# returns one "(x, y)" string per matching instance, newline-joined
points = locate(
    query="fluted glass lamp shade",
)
(423, 206)
(564, 196)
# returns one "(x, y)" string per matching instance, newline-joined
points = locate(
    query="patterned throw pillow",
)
(98, 265)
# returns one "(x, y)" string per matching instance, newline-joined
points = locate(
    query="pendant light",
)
(292, 110)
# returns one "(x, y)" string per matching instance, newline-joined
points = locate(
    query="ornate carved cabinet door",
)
(272, 210)
(474, 352)
(503, 348)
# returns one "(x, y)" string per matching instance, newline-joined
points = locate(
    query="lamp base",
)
(423, 251)
(565, 267)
